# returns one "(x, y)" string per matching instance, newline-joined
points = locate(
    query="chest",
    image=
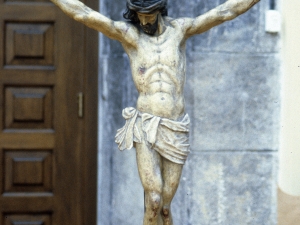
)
(168, 46)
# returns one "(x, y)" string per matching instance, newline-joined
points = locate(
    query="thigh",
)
(171, 173)
(149, 165)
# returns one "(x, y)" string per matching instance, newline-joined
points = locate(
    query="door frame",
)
(90, 133)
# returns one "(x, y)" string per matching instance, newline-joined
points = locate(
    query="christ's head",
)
(146, 12)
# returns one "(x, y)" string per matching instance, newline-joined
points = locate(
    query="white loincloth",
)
(169, 138)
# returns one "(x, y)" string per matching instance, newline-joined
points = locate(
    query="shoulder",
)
(125, 26)
(182, 23)
(128, 31)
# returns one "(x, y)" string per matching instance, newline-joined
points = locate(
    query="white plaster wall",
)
(289, 167)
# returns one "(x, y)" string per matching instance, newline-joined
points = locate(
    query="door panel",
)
(43, 143)
(28, 107)
(29, 44)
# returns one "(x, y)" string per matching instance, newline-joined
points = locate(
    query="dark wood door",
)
(47, 149)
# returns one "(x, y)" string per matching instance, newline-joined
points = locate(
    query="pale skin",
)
(158, 64)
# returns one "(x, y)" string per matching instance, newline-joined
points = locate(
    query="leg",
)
(171, 176)
(149, 167)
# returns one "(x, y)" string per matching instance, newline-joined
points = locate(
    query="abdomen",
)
(161, 104)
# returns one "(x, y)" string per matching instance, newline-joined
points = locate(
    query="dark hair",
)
(132, 15)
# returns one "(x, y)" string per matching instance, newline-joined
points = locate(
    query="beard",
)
(150, 28)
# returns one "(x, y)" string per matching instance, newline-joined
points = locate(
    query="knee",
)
(153, 201)
(166, 211)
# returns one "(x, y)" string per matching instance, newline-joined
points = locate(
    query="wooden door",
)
(47, 150)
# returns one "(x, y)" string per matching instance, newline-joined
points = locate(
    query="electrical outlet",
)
(273, 21)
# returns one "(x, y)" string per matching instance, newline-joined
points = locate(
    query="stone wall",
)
(232, 96)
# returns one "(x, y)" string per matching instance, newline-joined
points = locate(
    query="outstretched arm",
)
(227, 11)
(120, 31)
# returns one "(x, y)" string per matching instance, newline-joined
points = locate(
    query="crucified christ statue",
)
(158, 127)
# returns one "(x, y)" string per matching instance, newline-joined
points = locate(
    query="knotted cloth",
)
(169, 138)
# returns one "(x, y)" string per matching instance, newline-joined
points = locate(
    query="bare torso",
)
(157, 62)
(158, 70)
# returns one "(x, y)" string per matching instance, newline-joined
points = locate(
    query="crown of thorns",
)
(146, 6)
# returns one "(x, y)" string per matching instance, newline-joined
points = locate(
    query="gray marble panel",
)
(243, 34)
(127, 192)
(232, 97)
(116, 93)
(227, 188)
(114, 96)
(216, 188)
(114, 10)
(236, 101)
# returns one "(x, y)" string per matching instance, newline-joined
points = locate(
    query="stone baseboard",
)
(288, 209)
